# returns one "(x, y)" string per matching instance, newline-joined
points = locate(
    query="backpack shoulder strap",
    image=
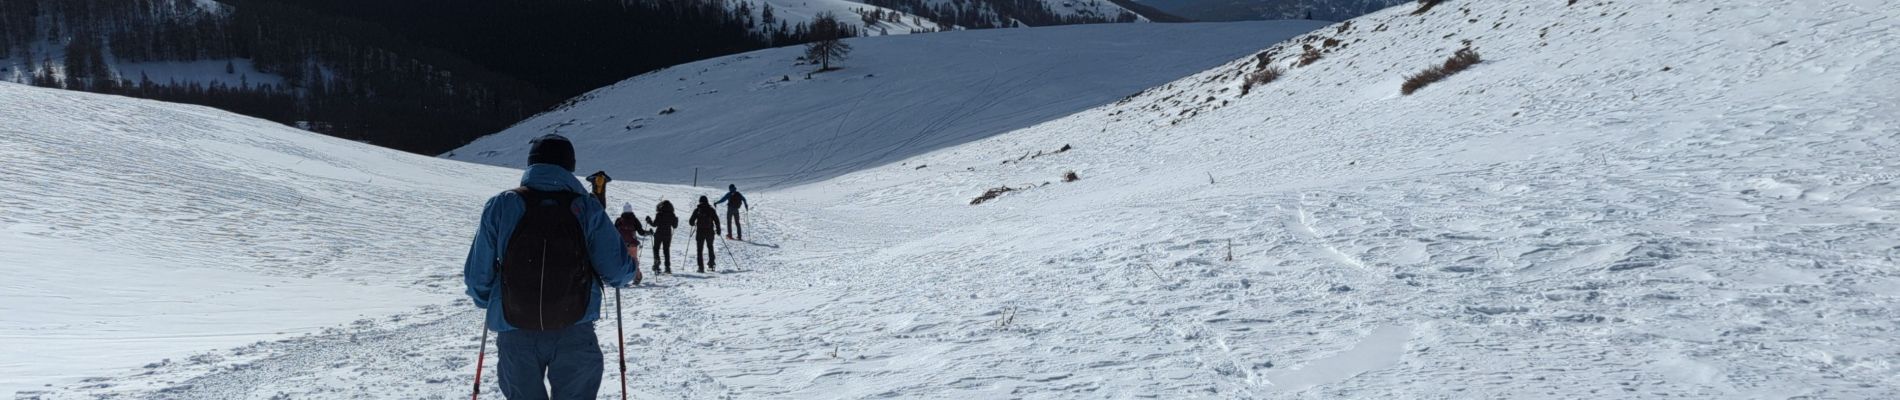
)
(530, 197)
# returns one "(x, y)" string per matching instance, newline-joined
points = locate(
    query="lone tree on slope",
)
(827, 44)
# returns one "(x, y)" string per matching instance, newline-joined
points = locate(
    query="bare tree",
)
(826, 41)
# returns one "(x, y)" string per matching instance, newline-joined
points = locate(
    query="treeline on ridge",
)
(419, 75)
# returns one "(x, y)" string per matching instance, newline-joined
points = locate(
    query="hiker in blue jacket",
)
(562, 349)
(733, 200)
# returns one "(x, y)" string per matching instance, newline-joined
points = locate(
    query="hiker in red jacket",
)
(630, 232)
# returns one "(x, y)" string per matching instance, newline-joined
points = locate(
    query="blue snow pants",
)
(569, 358)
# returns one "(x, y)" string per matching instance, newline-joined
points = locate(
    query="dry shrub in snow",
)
(1425, 6)
(1465, 58)
(1263, 59)
(1070, 177)
(991, 194)
(1261, 77)
(1310, 55)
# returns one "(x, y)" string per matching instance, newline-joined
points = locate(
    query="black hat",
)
(734, 188)
(702, 200)
(552, 149)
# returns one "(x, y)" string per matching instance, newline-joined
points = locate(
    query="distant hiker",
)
(599, 180)
(630, 232)
(705, 222)
(732, 211)
(664, 222)
(536, 265)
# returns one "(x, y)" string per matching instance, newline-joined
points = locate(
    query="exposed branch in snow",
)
(992, 194)
(1464, 59)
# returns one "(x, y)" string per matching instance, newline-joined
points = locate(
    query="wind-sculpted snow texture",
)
(1235, 10)
(1625, 200)
(755, 119)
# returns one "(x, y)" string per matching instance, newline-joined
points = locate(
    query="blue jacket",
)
(737, 200)
(498, 223)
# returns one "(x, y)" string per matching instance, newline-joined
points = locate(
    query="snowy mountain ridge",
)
(777, 123)
(1236, 10)
(793, 12)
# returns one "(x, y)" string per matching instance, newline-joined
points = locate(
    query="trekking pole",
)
(479, 358)
(729, 256)
(620, 329)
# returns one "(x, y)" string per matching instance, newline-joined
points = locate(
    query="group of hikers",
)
(704, 220)
(542, 255)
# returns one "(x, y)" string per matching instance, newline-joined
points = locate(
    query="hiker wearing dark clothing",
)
(733, 200)
(705, 224)
(537, 265)
(664, 222)
(630, 232)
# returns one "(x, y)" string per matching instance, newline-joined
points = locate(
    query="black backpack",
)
(666, 220)
(546, 278)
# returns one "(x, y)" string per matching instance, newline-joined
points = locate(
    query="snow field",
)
(1568, 219)
(139, 231)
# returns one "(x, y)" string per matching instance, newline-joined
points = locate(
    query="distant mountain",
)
(1239, 10)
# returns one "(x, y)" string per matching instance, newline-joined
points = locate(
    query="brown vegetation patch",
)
(992, 194)
(1458, 62)
(1262, 77)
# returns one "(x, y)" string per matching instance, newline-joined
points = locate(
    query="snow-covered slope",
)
(756, 119)
(1688, 199)
(1626, 200)
(136, 231)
